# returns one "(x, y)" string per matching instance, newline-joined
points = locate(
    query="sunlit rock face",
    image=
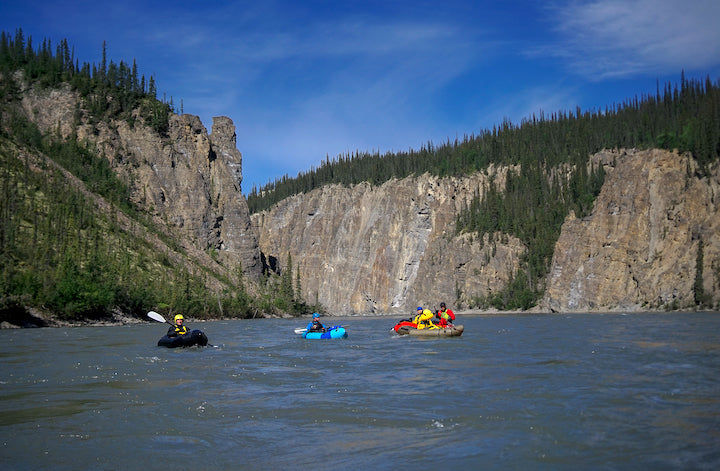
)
(639, 247)
(189, 179)
(390, 248)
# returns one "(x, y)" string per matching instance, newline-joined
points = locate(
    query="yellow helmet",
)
(179, 316)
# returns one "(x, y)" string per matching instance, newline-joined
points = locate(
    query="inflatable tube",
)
(404, 324)
(449, 331)
(335, 332)
(195, 337)
(408, 328)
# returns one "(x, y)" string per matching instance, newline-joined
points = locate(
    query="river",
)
(539, 392)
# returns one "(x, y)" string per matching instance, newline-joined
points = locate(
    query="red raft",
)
(407, 327)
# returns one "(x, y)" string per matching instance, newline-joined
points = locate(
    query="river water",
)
(547, 392)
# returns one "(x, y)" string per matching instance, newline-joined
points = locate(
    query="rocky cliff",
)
(639, 247)
(390, 248)
(189, 180)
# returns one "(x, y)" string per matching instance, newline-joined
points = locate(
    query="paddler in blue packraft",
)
(178, 328)
(315, 325)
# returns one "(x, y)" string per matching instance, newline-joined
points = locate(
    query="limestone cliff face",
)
(387, 249)
(189, 179)
(194, 182)
(390, 248)
(638, 248)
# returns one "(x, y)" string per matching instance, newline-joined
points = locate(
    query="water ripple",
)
(529, 391)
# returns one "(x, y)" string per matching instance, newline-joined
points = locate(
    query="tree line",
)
(683, 117)
(110, 90)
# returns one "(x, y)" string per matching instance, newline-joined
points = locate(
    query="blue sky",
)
(303, 80)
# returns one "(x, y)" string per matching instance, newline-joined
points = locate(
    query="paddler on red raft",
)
(422, 324)
(445, 316)
(422, 320)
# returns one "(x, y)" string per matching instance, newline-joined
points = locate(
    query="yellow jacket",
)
(424, 321)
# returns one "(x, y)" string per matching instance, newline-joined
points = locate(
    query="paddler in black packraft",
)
(178, 328)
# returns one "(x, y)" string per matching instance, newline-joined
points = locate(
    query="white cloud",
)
(607, 38)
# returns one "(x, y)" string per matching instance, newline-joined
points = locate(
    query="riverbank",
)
(27, 317)
(32, 318)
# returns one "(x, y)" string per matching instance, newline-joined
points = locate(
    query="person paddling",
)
(424, 319)
(315, 325)
(178, 328)
(445, 316)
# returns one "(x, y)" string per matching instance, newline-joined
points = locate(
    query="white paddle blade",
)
(300, 330)
(156, 317)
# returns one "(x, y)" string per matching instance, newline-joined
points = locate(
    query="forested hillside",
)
(72, 242)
